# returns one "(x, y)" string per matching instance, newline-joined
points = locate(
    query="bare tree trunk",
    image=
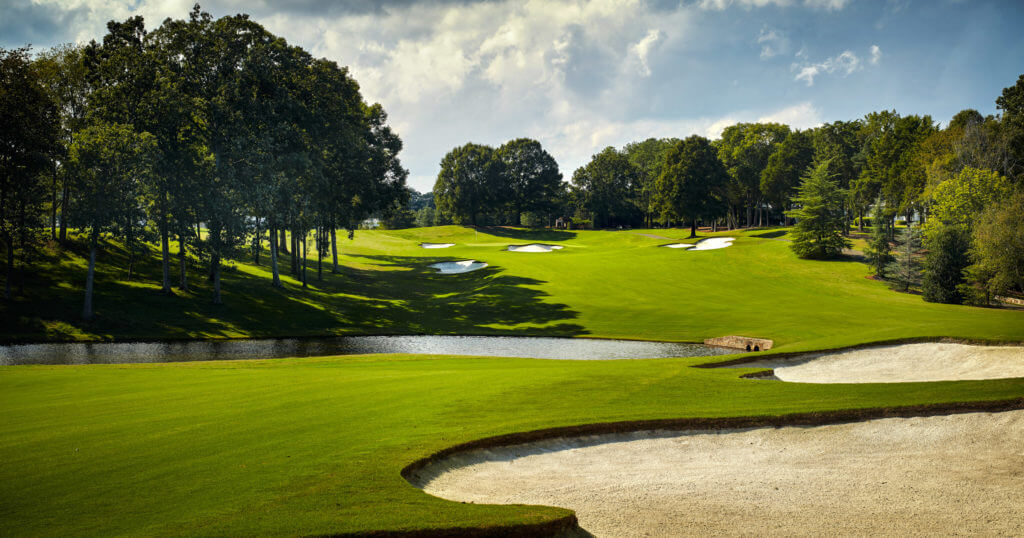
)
(294, 252)
(130, 229)
(273, 258)
(320, 253)
(10, 267)
(305, 255)
(283, 244)
(64, 213)
(165, 255)
(693, 228)
(53, 205)
(183, 259)
(334, 247)
(257, 244)
(87, 307)
(215, 262)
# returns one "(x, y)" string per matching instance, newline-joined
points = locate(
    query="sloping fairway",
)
(316, 446)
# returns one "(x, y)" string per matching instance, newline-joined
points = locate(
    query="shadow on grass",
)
(405, 296)
(527, 234)
(771, 235)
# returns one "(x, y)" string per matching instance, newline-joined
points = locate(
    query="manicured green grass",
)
(315, 446)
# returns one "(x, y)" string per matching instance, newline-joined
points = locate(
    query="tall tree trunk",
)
(283, 244)
(64, 212)
(294, 254)
(87, 307)
(257, 244)
(320, 253)
(693, 228)
(10, 266)
(165, 254)
(305, 256)
(130, 239)
(183, 260)
(273, 258)
(53, 205)
(334, 248)
(215, 263)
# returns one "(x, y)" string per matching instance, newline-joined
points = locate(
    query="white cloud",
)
(876, 54)
(642, 49)
(772, 43)
(844, 63)
(800, 116)
(719, 5)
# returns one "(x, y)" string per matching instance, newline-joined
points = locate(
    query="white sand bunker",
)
(953, 474)
(713, 243)
(533, 247)
(678, 245)
(451, 268)
(436, 245)
(901, 363)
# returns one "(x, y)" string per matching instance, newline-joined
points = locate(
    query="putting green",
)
(316, 446)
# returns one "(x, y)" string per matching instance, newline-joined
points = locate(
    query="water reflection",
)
(489, 346)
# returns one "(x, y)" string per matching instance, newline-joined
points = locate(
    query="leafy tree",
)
(945, 263)
(28, 140)
(997, 251)
(108, 163)
(605, 188)
(468, 183)
(905, 268)
(879, 249)
(648, 157)
(531, 176)
(691, 182)
(744, 149)
(1011, 102)
(819, 228)
(785, 166)
(841, 143)
(425, 217)
(960, 200)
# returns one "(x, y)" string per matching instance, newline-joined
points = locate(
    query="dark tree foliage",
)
(784, 168)
(945, 263)
(531, 177)
(692, 183)
(818, 233)
(469, 183)
(605, 188)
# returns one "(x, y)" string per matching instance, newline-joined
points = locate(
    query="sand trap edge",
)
(814, 418)
(758, 356)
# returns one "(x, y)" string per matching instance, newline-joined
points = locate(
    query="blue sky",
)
(579, 76)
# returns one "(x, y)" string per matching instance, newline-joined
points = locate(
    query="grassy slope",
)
(315, 446)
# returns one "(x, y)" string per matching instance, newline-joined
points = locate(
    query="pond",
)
(489, 346)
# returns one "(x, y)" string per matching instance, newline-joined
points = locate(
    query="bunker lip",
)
(533, 247)
(459, 267)
(411, 472)
(677, 245)
(436, 245)
(713, 243)
(902, 363)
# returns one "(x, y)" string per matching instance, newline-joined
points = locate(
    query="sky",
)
(582, 75)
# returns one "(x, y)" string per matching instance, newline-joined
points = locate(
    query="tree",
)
(1011, 102)
(785, 166)
(744, 149)
(905, 268)
(997, 251)
(945, 263)
(531, 176)
(960, 201)
(108, 162)
(819, 228)
(879, 250)
(841, 143)
(28, 140)
(690, 185)
(648, 157)
(605, 188)
(468, 183)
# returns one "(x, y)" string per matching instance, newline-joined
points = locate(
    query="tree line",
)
(214, 133)
(961, 181)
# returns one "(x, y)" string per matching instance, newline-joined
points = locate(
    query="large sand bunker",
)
(451, 268)
(533, 247)
(713, 243)
(436, 245)
(953, 474)
(900, 363)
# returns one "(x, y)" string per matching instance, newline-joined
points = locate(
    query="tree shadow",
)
(527, 234)
(771, 235)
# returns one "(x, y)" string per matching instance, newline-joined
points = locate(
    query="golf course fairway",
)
(318, 445)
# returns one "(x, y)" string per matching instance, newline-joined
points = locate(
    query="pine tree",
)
(905, 269)
(820, 221)
(879, 251)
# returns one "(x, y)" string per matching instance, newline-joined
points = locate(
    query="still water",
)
(488, 346)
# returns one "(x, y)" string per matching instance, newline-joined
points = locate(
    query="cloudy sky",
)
(579, 76)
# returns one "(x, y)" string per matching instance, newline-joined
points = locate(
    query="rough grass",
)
(315, 446)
